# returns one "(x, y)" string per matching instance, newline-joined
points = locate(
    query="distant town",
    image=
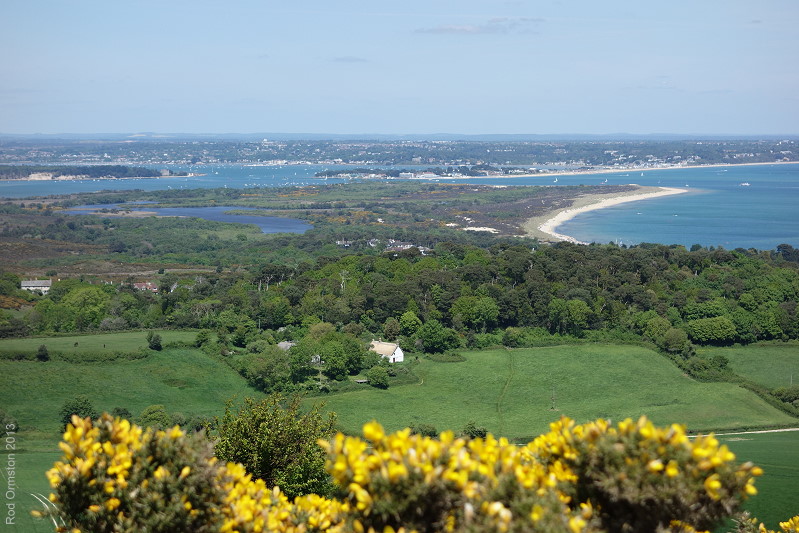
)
(448, 156)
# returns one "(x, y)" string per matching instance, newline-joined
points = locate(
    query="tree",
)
(154, 340)
(155, 416)
(277, 442)
(425, 430)
(121, 412)
(436, 338)
(81, 406)
(42, 354)
(203, 337)
(391, 328)
(335, 360)
(409, 323)
(86, 306)
(674, 340)
(269, 371)
(715, 330)
(378, 377)
(479, 312)
(472, 431)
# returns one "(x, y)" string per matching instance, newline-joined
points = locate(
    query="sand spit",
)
(545, 227)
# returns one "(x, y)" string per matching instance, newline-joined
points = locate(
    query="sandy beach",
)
(545, 228)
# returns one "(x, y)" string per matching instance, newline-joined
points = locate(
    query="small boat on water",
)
(744, 184)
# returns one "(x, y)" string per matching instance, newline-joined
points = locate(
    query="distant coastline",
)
(104, 178)
(545, 227)
(609, 170)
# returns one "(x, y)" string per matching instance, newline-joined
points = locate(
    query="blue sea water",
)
(716, 211)
(209, 177)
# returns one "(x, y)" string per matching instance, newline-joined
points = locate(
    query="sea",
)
(736, 206)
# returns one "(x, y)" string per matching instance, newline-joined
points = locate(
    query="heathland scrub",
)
(545, 227)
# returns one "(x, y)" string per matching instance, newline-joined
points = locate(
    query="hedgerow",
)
(576, 478)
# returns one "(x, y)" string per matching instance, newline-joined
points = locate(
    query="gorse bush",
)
(576, 478)
(114, 476)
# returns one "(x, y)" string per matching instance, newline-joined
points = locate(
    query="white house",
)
(389, 350)
(35, 285)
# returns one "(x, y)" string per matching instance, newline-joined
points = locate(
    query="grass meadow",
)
(517, 393)
(769, 364)
(778, 455)
(183, 380)
(128, 341)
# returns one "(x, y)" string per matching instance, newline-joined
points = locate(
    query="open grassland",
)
(128, 341)
(31, 491)
(183, 380)
(778, 455)
(769, 364)
(517, 393)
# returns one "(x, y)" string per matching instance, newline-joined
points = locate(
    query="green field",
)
(183, 380)
(769, 364)
(512, 392)
(128, 341)
(32, 487)
(778, 455)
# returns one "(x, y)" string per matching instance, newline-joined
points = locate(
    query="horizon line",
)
(151, 135)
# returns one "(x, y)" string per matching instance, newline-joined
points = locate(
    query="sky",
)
(400, 67)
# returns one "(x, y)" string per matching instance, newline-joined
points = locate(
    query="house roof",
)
(384, 348)
(36, 283)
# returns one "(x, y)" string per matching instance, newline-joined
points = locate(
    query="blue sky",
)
(416, 66)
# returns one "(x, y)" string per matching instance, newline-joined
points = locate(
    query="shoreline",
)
(606, 170)
(544, 174)
(546, 226)
(105, 178)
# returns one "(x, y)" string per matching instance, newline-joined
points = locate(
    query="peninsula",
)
(545, 227)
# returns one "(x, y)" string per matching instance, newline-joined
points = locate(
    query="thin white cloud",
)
(499, 25)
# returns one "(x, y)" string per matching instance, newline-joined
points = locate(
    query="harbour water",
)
(752, 206)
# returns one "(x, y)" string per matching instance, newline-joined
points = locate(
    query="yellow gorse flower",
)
(464, 484)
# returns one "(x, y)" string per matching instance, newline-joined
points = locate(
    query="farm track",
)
(782, 430)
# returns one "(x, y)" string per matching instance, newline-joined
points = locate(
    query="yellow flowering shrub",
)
(641, 475)
(576, 478)
(114, 476)
(448, 484)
